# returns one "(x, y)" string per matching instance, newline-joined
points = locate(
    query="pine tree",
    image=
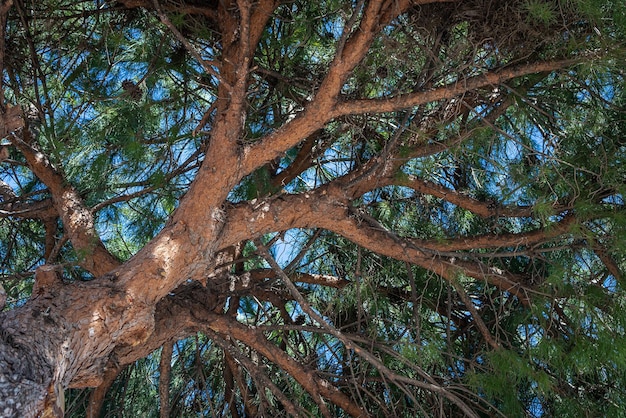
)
(263, 208)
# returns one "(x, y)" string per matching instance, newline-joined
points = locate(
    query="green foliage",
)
(540, 11)
(119, 98)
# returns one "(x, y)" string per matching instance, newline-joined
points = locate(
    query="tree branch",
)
(308, 278)
(188, 312)
(98, 395)
(206, 65)
(254, 338)
(77, 219)
(165, 372)
(261, 379)
(320, 109)
(347, 342)
(490, 79)
(522, 239)
(302, 211)
(476, 315)
(4, 10)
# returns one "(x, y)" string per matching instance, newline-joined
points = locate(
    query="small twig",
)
(257, 375)
(205, 119)
(349, 344)
(482, 327)
(207, 65)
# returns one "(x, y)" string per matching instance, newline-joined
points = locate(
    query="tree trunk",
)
(63, 337)
(28, 349)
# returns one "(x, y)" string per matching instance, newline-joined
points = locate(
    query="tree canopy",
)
(291, 208)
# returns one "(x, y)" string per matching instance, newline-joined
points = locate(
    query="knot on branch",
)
(11, 120)
(46, 277)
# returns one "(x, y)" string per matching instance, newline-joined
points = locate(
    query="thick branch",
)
(18, 207)
(254, 338)
(490, 79)
(77, 219)
(11, 117)
(188, 312)
(319, 111)
(303, 160)
(98, 395)
(221, 169)
(303, 211)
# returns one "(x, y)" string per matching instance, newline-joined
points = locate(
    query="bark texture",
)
(81, 334)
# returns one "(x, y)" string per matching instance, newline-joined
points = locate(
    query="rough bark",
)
(165, 373)
(73, 335)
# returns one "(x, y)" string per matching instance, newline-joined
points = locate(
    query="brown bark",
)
(456, 88)
(76, 218)
(302, 212)
(97, 397)
(92, 329)
(165, 373)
